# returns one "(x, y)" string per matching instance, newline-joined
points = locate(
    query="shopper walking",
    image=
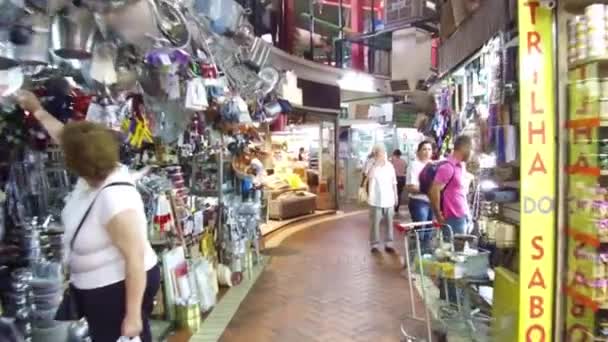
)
(114, 272)
(419, 204)
(382, 198)
(447, 193)
(400, 168)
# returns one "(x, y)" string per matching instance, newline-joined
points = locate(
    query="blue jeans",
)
(420, 211)
(458, 225)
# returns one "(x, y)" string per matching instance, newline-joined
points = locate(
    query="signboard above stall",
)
(405, 115)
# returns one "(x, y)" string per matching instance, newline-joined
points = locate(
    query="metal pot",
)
(73, 33)
(11, 11)
(34, 51)
(143, 22)
(7, 52)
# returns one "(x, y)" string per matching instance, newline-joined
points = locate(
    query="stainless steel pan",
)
(73, 33)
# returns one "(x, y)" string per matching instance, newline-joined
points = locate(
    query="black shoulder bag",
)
(69, 309)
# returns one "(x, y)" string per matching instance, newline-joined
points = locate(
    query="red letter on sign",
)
(532, 329)
(537, 244)
(537, 280)
(536, 307)
(534, 42)
(533, 104)
(533, 5)
(540, 131)
(537, 165)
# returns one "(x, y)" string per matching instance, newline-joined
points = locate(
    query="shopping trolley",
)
(452, 317)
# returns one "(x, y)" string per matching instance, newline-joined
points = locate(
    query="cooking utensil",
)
(271, 77)
(11, 80)
(73, 33)
(7, 51)
(257, 54)
(11, 11)
(35, 49)
(142, 22)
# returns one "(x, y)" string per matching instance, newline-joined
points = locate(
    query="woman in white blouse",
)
(419, 204)
(114, 272)
(382, 185)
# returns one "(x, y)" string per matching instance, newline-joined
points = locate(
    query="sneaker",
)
(389, 248)
(374, 249)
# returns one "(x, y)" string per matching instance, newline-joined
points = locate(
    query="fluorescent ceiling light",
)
(356, 81)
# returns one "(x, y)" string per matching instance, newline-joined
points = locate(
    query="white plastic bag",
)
(206, 285)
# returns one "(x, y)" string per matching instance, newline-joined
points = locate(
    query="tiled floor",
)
(322, 284)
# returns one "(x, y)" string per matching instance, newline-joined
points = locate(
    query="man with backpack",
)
(447, 193)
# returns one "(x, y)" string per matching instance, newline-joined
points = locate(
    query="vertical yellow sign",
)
(538, 172)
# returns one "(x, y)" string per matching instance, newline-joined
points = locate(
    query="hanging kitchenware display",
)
(271, 78)
(73, 33)
(272, 110)
(142, 22)
(225, 16)
(7, 51)
(31, 39)
(159, 76)
(11, 11)
(10, 81)
(171, 118)
(126, 67)
(48, 7)
(256, 55)
(102, 68)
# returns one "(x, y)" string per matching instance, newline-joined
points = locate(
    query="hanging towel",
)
(510, 143)
(499, 135)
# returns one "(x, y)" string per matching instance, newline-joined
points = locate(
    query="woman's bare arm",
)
(30, 103)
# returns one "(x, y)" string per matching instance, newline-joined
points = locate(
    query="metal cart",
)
(454, 318)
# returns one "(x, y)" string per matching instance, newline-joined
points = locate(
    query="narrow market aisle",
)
(323, 284)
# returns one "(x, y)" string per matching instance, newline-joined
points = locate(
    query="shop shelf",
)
(587, 238)
(587, 61)
(582, 299)
(578, 6)
(584, 123)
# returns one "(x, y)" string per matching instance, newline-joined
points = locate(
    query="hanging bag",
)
(69, 309)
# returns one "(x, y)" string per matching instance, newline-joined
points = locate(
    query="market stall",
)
(301, 170)
(186, 89)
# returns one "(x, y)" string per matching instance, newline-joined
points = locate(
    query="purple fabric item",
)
(453, 200)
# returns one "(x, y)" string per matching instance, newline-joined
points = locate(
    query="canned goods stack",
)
(588, 34)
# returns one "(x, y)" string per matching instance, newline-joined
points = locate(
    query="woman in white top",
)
(382, 182)
(419, 203)
(114, 271)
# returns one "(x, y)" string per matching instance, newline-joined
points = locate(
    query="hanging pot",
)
(11, 80)
(7, 52)
(73, 33)
(11, 11)
(257, 54)
(143, 22)
(272, 110)
(34, 49)
(271, 77)
(49, 7)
